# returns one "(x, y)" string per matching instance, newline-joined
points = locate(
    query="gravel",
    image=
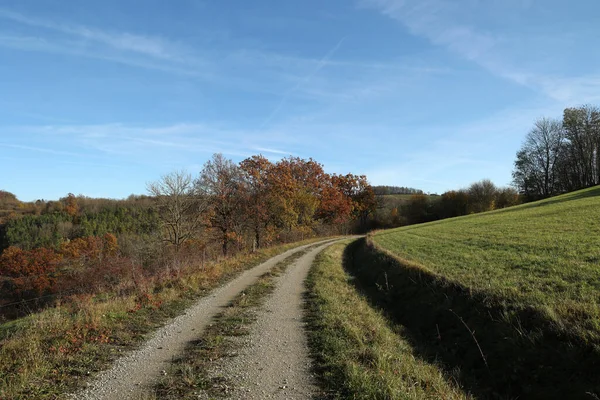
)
(273, 360)
(132, 376)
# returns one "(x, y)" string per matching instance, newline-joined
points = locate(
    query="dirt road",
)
(131, 377)
(273, 361)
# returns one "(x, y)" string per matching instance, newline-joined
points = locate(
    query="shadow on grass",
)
(495, 351)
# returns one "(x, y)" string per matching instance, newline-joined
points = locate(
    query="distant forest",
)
(385, 190)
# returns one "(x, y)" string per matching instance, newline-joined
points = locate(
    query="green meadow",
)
(507, 302)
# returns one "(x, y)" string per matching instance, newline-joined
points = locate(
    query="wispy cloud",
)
(322, 62)
(273, 151)
(124, 140)
(146, 45)
(443, 23)
(284, 75)
(40, 150)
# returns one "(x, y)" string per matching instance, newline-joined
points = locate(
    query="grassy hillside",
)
(544, 254)
(510, 298)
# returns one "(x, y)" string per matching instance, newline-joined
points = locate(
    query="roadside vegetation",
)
(358, 353)
(54, 351)
(510, 297)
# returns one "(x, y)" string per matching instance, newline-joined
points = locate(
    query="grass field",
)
(544, 254)
(517, 290)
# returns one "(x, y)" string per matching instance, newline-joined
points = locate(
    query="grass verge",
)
(358, 353)
(190, 375)
(47, 354)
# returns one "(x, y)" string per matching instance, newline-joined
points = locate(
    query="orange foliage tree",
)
(256, 170)
(71, 206)
(29, 273)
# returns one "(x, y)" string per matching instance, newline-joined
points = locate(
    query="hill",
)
(510, 298)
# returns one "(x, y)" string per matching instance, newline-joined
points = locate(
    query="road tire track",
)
(273, 361)
(133, 375)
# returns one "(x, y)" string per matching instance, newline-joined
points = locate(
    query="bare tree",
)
(536, 167)
(582, 131)
(544, 143)
(180, 207)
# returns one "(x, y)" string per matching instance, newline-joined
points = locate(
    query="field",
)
(544, 254)
(510, 298)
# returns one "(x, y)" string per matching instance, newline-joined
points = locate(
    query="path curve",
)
(273, 361)
(131, 376)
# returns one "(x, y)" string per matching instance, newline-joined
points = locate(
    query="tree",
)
(454, 203)
(506, 197)
(71, 206)
(364, 204)
(537, 165)
(29, 273)
(256, 170)
(582, 131)
(180, 208)
(296, 186)
(417, 209)
(482, 196)
(221, 182)
(336, 203)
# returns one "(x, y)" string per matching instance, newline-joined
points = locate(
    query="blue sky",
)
(99, 98)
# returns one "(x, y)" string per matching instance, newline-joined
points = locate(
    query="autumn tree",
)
(507, 197)
(296, 185)
(336, 204)
(221, 183)
(363, 197)
(180, 207)
(29, 273)
(71, 206)
(256, 170)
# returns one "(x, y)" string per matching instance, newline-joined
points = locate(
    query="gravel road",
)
(131, 376)
(273, 361)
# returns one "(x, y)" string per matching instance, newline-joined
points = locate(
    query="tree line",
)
(478, 197)
(255, 202)
(83, 245)
(560, 155)
(383, 190)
